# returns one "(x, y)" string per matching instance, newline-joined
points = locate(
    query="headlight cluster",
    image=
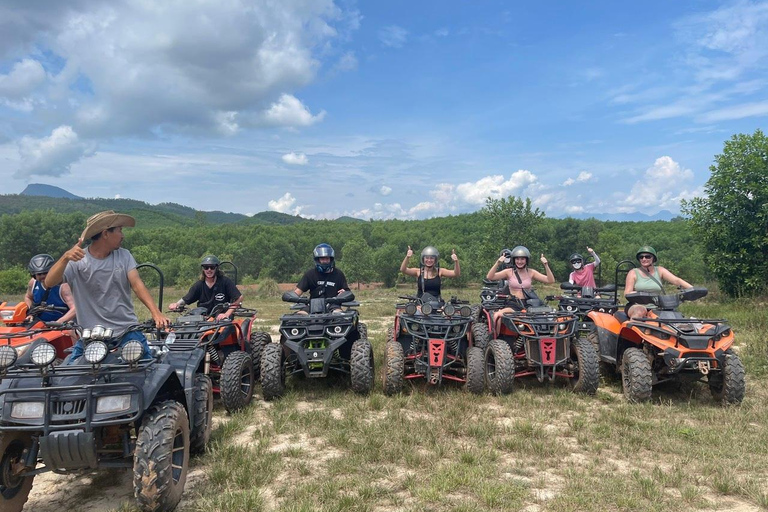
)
(426, 308)
(99, 332)
(27, 410)
(8, 356)
(6, 315)
(107, 404)
(96, 352)
(294, 332)
(43, 354)
(337, 330)
(132, 351)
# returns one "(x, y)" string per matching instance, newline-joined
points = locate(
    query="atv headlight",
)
(449, 310)
(6, 315)
(426, 308)
(8, 356)
(410, 309)
(132, 351)
(27, 410)
(465, 311)
(96, 352)
(456, 328)
(117, 403)
(43, 354)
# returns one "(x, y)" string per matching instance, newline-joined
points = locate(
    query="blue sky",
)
(378, 109)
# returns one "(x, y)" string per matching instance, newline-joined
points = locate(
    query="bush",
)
(268, 288)
(13, 280)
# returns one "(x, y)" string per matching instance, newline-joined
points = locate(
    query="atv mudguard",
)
(187, 364)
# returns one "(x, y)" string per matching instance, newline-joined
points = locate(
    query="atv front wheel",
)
(256, 344)
(237, 381)
(475, 373)
(361, 366)
(362, 330)
(480, 335)
(586, 377)
(394, 368)
(636, 375)
(499, 367)
(728, 385)
(202, 423)
(608, 370)
(272, 372)
(14, 489)
(161, 457)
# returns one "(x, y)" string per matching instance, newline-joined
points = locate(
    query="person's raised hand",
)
(589, 250)
(76, 253)
(453, 255)
(543, 259)
(409, 253)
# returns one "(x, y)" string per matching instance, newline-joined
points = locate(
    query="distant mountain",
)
(274, 218)
(624, 217)
(39, 189)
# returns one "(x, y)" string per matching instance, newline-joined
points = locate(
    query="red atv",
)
(536, 340)
(20, 333)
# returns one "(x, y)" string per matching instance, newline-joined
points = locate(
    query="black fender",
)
(187, 364)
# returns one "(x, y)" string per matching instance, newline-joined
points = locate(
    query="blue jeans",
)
(79, 348)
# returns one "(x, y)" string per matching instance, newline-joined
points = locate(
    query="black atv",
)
(581, 300)
(327, 338)
(537, 340)
(430, 341)
(111, 407)
(230, 350)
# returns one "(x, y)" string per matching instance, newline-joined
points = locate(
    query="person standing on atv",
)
(649, 277)
(429, 273)
(519, 277)
(59, 296)
(213, 288)
(583, 275)
(324, 280)
(101, 277)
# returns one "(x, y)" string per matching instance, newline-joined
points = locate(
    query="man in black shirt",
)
(212, 289)
(325, 280)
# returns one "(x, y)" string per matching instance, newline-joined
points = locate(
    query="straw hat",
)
(105, 220)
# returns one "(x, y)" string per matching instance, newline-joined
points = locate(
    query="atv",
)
(666, 346)
(230, 360)
(580, 300)
(327, 338)
(431, 340)
(20, 333)
(536, 340)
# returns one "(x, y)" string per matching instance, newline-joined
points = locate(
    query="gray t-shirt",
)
(102, 291)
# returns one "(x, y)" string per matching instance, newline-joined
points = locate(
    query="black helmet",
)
(522, 252)
(507, 254)
(324, 251)
(576, 257)
(40, 264)
(210, 260)
(430, 251)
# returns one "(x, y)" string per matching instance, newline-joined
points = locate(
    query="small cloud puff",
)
(393, 36)
(51, 156)
(290, 111)
(385, 190)
(295, 159)
(583, 177)
(285, 205)
(662, 187)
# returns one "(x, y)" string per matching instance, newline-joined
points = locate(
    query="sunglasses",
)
(575, 261)
(209, 267)
(43, 274)
(645, 257)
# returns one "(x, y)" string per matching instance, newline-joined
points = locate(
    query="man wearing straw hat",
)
(101, 277)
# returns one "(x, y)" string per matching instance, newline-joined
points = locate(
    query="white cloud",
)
(285, 205)
(744, 110)
(662, 187)
(393, 36)
(50, 156)
(289, 111)
(583, 177)
(385, 190)
(347, 62)
(295, 159)
(23, 78)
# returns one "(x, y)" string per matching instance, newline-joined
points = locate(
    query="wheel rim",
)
(245, 380)
(10, 484)
(177, 455)
(490, 366)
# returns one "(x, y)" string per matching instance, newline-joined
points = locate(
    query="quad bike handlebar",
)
(687, 295)
(345, 298)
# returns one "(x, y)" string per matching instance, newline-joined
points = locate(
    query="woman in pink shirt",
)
(583, 275)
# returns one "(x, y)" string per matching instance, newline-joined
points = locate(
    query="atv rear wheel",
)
(636, 375)
(202, 423)
(586, 376)
(499, 366)
(476, 310)
(475, 373)
(480, 335)
(362, 330)
(361, 366)
(14, 490)
(161, 457)
(256, 343)
(728, 385)
(237, 381)
(394, 372)
(272, 372)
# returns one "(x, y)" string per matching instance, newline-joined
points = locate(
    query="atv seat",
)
(621, 316)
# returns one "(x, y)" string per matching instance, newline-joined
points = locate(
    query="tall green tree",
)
(357, 260)
(509, 222)
(732, 220)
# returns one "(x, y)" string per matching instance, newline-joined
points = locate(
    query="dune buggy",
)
(666, 346)
(20, 333)
(230, 348)
(431, 340)
(328, 338)
(536, 340)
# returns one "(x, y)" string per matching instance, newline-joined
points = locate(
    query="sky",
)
(378, 110)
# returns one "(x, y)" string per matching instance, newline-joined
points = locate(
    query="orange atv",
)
(20, 333)
(665, 346)
(233, 350)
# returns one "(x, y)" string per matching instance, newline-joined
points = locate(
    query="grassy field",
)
(541, 448)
